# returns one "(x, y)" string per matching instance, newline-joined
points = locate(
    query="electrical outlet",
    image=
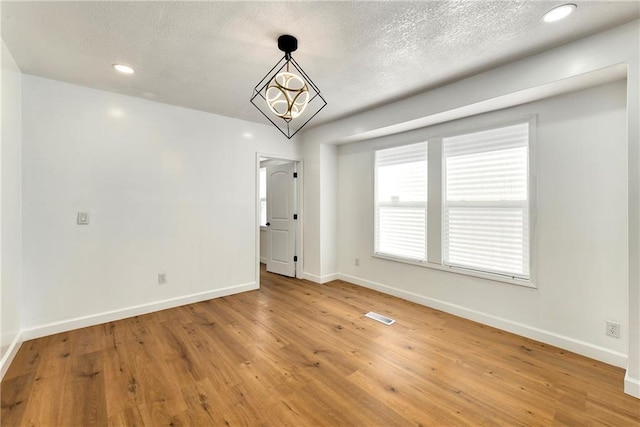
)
(356, 262)
(83, 218)
(162, 278)
(613, 329)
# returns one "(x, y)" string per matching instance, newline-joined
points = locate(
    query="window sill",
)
(461, 271)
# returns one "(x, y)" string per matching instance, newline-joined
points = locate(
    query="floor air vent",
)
(380, 318)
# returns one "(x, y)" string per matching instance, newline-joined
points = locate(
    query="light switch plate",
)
(83, 218)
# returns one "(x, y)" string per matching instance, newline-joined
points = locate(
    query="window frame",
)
(519, 205)
(376, 205)
(435, 200)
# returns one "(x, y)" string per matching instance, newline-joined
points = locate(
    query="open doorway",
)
(279, 215)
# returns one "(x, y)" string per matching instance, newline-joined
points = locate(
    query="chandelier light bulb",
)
(287, 95)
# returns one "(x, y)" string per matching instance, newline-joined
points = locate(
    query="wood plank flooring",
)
(300, 354)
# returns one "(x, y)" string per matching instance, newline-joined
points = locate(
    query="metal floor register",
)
(380, 318)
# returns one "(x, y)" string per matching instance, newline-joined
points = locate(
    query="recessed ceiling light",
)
(559, 12)
(124, 69)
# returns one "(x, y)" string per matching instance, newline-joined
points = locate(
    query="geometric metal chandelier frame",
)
(286, 95)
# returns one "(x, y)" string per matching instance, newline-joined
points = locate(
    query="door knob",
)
(268, 224)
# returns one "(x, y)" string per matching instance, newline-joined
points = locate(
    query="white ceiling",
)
(209, 55)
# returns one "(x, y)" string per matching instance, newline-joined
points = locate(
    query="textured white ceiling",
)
(209, 55)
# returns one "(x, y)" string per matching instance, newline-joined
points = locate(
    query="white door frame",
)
(299, 189)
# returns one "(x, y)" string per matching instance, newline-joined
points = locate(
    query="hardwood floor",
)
(300, 354)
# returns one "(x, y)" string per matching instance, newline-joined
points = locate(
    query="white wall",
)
(329, 220)
(10, 212)
(168, 190)
(581, 231)
(320, 206)
(312, 208)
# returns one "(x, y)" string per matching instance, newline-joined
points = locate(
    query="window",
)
(477, 219)
(486, 201)
(263, 197)
(401, 202)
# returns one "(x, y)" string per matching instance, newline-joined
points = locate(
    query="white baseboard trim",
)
(311, 277)
(263, 260)
(110, 316)
(631, 386)
(330, 277)
(586, 349)
(320, 279)
(10, 354)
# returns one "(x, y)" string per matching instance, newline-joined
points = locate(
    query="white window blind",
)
(486, 201)
(401, 202)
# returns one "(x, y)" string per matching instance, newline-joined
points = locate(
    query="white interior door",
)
(281, 226)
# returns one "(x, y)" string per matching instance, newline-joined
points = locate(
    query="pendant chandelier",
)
(286, 95)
